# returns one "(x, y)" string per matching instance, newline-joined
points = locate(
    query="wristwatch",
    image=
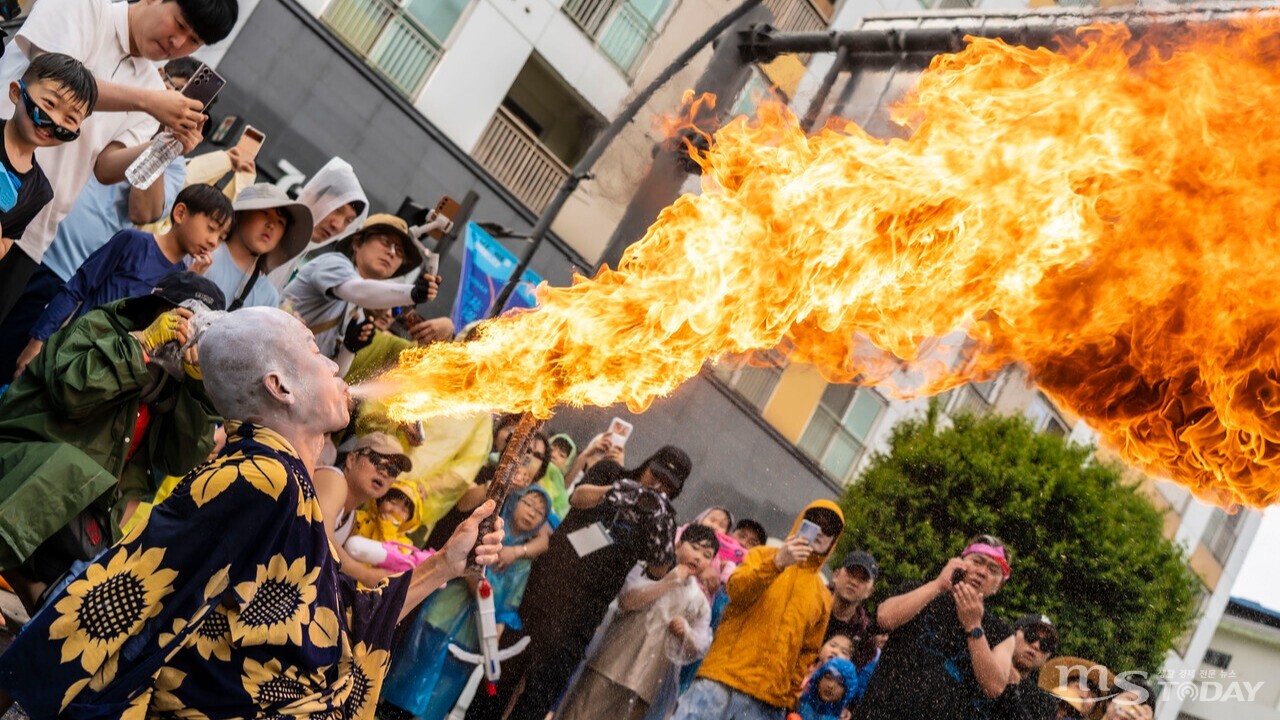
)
(976, 633)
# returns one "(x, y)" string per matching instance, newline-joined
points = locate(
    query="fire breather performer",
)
(228, 601)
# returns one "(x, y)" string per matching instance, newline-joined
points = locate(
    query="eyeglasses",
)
(383, 463)
(44, 121)
(533, 504)
(1048, 641)
(391, 243)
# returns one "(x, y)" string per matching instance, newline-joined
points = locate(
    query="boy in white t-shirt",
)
(119, 43)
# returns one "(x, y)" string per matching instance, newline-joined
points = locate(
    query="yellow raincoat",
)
(772, 629)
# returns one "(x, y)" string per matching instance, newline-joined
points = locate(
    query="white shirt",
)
(95, 32)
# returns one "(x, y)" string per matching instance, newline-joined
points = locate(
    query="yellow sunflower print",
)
(108, 605)
(283, 690)
(276, 604)
(211, 638)
(367, 668)
(265, 474)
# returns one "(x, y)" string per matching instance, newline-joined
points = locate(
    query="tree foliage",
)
(1087, 546)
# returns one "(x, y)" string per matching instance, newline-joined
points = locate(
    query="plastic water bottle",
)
(153, 161)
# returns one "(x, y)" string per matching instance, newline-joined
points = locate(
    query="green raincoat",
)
(66, 426)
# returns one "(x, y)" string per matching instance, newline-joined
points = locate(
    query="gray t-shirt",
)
(310, 295)
(230, 279)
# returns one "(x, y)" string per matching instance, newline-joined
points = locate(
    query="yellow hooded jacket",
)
(772, 629)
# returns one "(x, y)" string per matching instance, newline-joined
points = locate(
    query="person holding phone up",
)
(329, 293)
(772, 629)
(946, 657)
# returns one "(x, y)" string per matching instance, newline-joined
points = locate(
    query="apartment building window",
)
(402, 41)
(756, 382)
(974, 398)
(1217, 658)
(1220, 534)
(837, 433)
(622, 29)
(1045, 418)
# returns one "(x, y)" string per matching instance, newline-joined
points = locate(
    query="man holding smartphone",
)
(946, 657)
(773, 627)
(120, 44)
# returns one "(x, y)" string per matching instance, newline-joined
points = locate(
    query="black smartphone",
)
(957, 576)
(204, 86)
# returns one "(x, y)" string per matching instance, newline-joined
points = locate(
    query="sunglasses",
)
(382, 463)
(44, 121)
(1048, 642)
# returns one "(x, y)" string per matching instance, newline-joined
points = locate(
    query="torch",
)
(500, 485)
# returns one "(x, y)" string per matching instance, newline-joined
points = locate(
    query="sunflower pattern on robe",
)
(227, 603)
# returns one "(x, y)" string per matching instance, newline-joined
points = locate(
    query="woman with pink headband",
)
(946, 658)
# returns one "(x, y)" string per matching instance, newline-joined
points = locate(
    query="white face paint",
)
(262, 364)
(322, 400)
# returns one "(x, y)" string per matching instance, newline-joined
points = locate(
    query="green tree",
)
(1087, 546)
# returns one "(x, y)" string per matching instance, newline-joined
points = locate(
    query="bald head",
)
(240, 350)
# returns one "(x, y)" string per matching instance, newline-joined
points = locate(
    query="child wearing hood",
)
(773, 628)
(387, 522)
(661, 625)
(425, 678)
(829, 690)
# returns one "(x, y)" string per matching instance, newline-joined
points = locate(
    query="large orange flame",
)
(1103, 214)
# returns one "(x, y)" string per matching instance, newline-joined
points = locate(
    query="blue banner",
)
(486, 266)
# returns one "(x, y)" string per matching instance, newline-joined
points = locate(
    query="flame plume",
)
(1102, 214)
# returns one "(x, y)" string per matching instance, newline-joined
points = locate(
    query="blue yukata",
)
(257, 623)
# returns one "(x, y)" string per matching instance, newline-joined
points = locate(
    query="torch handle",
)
(504, 477)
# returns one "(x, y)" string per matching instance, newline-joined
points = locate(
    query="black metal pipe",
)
(824, 90)
(1027, 30)
(581, 170)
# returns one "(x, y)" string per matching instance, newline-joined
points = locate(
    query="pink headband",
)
(995, 553)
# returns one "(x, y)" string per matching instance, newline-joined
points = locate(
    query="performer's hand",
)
(464, 538)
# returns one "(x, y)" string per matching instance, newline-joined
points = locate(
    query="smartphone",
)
(957, 576)
(250, 142)
(449, 208)
(808, 531)
(619, 431)
(204, 86)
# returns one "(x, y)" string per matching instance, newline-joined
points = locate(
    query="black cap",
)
(171, 291)
(1034, 619)
(863, 560)
(672, 465)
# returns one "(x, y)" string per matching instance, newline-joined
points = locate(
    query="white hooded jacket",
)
(333, 186)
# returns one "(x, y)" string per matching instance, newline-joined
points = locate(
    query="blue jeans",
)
(710, 700)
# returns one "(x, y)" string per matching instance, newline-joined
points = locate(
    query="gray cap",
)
(264, 196)
(863, 560)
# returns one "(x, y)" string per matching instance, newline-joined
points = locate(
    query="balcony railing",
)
(392, 42)
(514, 156)
(796, 16)
(620, 30)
